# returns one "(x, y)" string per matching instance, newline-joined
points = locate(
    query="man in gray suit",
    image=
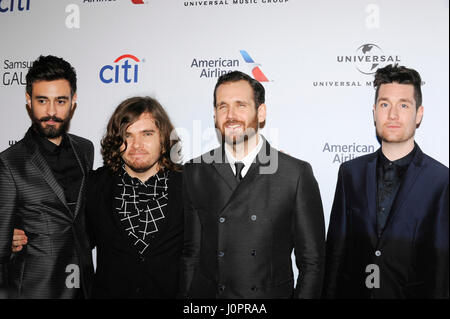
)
(247, 207)
(42, 191)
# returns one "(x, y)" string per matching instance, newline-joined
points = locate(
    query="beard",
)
(50, 131)
(140, 166)
(250, 130)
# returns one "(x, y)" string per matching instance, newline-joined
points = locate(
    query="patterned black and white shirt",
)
(141, 206)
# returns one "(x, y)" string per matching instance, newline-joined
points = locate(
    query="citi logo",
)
(257, 73)
(8, 5)
(139, 1)
(125, 71)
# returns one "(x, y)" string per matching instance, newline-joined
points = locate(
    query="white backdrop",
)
(318, 57)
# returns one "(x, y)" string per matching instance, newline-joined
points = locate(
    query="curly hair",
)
(125, 115)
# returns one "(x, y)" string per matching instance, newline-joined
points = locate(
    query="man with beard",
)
(247, 207)
(134, 205)
(388, 233)
(42, 190)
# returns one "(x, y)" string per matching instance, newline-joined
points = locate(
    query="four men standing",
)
(246, 206)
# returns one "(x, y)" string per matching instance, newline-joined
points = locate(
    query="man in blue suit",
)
(388, 232)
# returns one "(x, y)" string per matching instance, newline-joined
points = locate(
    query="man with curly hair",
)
(134, 205)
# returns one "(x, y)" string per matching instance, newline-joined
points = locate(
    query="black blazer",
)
(121, 271)
(412, 252)
(240, 236)
(32, 199)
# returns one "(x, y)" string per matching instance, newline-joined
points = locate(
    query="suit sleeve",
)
(335, 245)
(8, 200)
(309, 236)
(192, 237)
(437, 272)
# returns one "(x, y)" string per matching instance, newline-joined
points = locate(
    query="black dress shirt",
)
(63, 164)
(390, 175)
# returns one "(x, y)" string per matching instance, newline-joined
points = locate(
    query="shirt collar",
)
(49, 146)
(401, 162)
(247, 160)
(158, 177)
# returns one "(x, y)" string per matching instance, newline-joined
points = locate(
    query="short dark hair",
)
(235, 76)
(50, 68)
(401, 75)
(125, 115)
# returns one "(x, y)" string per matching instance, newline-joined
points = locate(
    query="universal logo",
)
(368, 58)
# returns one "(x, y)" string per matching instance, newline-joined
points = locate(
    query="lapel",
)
(82, 162)
(222, 167)
(371, 196)
(41, 165)
(267, 153)
(410, 177)
(107, 195)
(244, 186)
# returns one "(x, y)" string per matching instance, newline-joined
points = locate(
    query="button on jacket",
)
(240, 235)
(412, 251)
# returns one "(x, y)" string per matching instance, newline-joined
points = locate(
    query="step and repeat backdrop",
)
(316, 60)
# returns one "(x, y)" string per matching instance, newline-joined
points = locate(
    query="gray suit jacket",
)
(239, 236)
(57, 255)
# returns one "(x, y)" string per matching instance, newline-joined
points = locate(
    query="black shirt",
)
(390, 175)
(63, 164)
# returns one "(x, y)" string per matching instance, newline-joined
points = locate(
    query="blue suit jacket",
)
(412, 252)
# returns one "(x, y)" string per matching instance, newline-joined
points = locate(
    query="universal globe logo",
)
(368, 58)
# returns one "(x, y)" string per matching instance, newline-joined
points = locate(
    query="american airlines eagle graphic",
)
(254, 67)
